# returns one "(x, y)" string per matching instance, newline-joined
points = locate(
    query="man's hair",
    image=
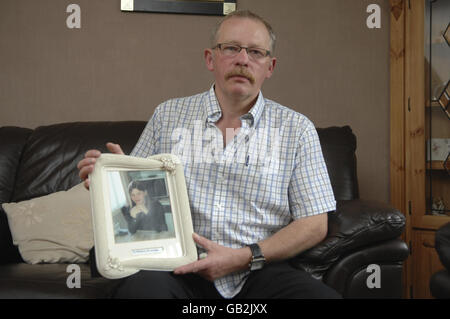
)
(245, 14)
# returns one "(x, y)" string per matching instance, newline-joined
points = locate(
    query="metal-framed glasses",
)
(231, 50)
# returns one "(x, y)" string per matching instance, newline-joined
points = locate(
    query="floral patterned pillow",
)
(56, 228)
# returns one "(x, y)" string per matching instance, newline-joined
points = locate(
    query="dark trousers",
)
(277, 280)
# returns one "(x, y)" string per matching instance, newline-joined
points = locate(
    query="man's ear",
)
(209, 57)
(273, 62)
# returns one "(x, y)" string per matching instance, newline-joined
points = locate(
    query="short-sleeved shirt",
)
(271, 173)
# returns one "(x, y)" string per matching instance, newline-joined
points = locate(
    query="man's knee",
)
(284, 281)
(304, 286)
(149, 285)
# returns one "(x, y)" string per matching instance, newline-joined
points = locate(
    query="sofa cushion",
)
(338, 148)
(51, 154)
(54, 228)
(50, 281)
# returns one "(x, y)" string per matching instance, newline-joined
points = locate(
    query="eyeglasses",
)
(231, 50)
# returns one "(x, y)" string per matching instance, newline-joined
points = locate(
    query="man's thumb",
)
(202, 241)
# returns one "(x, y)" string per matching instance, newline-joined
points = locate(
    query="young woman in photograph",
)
(145, 213)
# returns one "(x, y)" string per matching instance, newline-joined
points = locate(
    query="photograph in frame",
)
(141, 215)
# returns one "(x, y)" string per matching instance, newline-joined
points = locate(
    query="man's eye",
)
(256, 52)
(231, 48)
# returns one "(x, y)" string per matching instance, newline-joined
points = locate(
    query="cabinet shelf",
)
(442, 213)
(430, 222)
(433, 104)
(435, 165)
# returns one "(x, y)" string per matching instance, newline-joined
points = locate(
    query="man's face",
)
(247, 33)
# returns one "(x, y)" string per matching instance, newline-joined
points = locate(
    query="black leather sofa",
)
(37, 162)
(440, 281)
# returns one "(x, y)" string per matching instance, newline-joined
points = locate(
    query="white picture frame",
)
(140, 213)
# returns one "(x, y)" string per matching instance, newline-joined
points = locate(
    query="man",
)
(249, 216)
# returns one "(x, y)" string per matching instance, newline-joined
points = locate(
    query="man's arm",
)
(295, 238)
(289, 241)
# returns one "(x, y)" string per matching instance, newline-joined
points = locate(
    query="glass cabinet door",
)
(437, 100)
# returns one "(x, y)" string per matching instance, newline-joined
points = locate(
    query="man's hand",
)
(86, 165)
(220, 261)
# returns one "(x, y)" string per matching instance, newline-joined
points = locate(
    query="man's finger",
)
(114, 148)
(86, 162)
(193, 267)
(86, 183)
(92, 153)
(85, 171)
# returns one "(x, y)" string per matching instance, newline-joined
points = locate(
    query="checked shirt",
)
(271, 173)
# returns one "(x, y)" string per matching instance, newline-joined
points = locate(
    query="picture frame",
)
(141, 215)
(205, 7)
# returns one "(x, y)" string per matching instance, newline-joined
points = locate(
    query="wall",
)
(120, 66)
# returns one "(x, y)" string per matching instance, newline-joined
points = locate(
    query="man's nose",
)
(242, 58)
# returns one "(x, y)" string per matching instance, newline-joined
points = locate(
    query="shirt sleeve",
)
(310, 191)
(148, 143)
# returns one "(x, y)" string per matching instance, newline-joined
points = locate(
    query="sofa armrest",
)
(442, 244)
(440, 284)
(355, 224)
(349, 275)
(9, 252)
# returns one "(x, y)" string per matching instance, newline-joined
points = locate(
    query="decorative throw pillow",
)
(56, 228)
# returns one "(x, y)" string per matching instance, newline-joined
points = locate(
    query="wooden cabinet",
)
(425, 262)
(417, 118)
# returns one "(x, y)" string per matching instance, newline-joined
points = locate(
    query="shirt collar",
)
(214, 112)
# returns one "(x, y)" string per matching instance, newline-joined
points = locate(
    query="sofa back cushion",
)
(50, 157)
(338, 147)
(12, 143)
(51, 154)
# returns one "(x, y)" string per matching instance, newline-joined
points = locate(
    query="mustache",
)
(240, 72)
